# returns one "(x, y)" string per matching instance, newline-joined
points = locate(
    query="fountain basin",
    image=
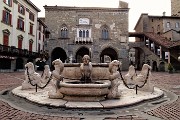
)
(77, 91)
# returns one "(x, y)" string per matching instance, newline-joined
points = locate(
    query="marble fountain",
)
(87, 85)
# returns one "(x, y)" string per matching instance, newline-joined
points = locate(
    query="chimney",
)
(123, 4)
(164, 13)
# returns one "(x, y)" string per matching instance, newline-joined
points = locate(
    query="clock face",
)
(84, 21)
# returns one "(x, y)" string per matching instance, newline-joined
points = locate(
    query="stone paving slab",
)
(160, 79)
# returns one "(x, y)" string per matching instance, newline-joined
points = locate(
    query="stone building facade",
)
(161, 37)
(101, 33)
(175, 7)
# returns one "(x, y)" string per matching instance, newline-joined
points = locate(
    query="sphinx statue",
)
(143, 79)
(114, 75)
(130, 76)
(56, 79)
(46, 74)
(31, 77)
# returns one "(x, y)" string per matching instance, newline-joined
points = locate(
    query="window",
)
(43, 38)
(177, 25)
(64, 32)
(84, 33)
(6, 18)
(158, 28)
(20, 24)
(31, 16)
(153, 29)
(168, 25)
(30, 44)
(5, 39)
(21, 9)
(39, 47)
(8, 2)
(31, 28)
(39, 27)
(6, 34)
(20, 39)
(105, 33)
(39, 35)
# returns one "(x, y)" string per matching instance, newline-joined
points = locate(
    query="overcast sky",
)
(137, 7)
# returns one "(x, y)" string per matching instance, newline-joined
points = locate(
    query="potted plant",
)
(170, 68)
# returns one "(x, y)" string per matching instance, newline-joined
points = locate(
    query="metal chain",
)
(41, 87)
(136, 85)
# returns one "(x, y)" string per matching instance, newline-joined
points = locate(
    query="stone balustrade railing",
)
(83, 40)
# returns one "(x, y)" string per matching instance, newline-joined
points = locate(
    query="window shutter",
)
(20, 43)
(33, 17)
(24, 10)
(23, 25)
(10, 19)
(19, 8)
(18, 24)
(10, 3)
(6, 38)
(4, 16)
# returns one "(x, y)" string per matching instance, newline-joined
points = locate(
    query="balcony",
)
(83, 40)
(13, 51)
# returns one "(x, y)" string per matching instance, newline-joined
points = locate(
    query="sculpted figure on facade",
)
(114, 75)
(31, 77)
(86, 70)
(56, 79)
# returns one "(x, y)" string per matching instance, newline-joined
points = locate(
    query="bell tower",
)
(175, 7)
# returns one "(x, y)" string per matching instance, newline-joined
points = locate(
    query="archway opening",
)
(19, 63)
(80, 53)
(107, 55)
(58, 53)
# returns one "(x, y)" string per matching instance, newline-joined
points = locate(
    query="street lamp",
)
(179, 58)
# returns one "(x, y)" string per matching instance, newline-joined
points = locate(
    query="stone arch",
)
(139, 57)
(162, 66)
(154, 66)
(58, 53)
(80, 53)
(19, 63)
(108, 52)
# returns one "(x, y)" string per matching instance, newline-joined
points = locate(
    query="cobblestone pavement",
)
(163, 80)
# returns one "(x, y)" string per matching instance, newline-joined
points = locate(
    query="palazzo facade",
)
(102, 33)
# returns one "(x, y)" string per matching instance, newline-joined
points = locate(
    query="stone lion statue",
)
(86, 69)
(145, 75)
(114, 75)
(56, 79)
(31, 75)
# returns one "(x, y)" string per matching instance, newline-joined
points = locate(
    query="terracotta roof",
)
(162, 40)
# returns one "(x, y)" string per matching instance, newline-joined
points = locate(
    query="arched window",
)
(6, 34)
(87, 33)
(105, 33)
(80, 33)
(64, 32)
